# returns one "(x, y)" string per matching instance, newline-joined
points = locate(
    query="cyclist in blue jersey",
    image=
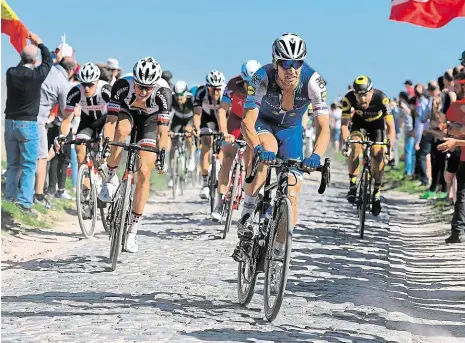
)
(278, 95)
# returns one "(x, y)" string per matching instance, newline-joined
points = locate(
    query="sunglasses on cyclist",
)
(214, 89)
(288, 64)
(88, 84)
(146, 88)
(180, 94)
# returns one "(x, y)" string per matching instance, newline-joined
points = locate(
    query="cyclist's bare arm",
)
(66, 123)
(197, 117)
(391, 129)
(248, 127)
(322, 127)
(305, 120)
(110, 126)
(221, 117)
(345, 130)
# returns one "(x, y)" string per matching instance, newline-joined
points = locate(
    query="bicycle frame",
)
(237, 161)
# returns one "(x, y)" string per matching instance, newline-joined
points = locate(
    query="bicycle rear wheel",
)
(175, 172)
(121, 221)
(212, 185)
(363, 198)
(276, 276)
(86, 204)
(231, 198)
(247, 271)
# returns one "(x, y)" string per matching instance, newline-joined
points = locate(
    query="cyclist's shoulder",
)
(379, 97)
(348, 99)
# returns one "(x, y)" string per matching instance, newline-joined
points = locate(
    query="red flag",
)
(427, 13)
(13, 27)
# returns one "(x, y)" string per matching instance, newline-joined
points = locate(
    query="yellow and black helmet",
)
(362, 84)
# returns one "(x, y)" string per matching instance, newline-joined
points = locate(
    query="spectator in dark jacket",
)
(21, 131)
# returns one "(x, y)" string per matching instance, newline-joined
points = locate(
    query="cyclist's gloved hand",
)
(258, 150)
(312, 162)
(267, 156)
(58, 142)
(228, 138)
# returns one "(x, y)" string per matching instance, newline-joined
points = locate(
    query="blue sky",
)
(344, 38)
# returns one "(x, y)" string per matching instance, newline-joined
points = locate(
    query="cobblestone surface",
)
(399, 284)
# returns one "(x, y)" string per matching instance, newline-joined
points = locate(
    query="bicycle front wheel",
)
(121, 221)
(232, 196)
(363, 199)
(278, 259)
(86, 202)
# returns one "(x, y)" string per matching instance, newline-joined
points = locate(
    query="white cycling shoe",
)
(191, 164)
(205, 192)
(131, 243)
(109, 189)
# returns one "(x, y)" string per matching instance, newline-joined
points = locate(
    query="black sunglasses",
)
(87, 84)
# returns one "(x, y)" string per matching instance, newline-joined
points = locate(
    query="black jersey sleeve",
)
(73, 98)
(385, 105)
(199, 95)
(106, 92)
(347, 105)
(164, 98)
(119, 92)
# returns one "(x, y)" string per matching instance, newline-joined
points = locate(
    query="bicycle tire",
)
(231, 199)
(245, 296)
(175, 172)
(212, 185)
(121, 223)
(103, 217)
(283, 216)
(182, 172)
(363, 203)
(83, 173)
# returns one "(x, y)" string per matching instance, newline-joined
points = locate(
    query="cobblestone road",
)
(399, 284)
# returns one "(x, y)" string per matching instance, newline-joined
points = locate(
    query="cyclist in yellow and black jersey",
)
(369, 112)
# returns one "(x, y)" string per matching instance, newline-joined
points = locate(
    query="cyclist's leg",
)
(190, 147)
(84, 133)
(357, 132)
(123, 130)
(377, 169)
(289, 148)
(207, 142)
(175, 128)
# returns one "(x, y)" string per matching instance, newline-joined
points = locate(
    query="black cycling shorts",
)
(144, 127)
(375, 130)
(90, 127)
(178, 123)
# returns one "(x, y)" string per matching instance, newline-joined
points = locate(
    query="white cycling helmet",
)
(248, 69)
(215, 78)
(146, 71)
(289, 47)
(180, 87)
(89, 73)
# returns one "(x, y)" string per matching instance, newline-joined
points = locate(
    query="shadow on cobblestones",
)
(109, 303)
(73, 264)
(283, 334)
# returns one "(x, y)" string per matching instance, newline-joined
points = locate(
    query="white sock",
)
(135, 219)
(250, 203)
(110, 172)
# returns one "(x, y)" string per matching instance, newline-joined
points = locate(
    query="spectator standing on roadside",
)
(397, 122)
(406, 109)
(54, 91)
(456, 129)
(21, 129)
(336, 116)
(409, 88)
(422, 142)
(113, 66)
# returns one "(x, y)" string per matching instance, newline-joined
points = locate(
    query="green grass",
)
(394, 179)
(4, 164)
(13, 210)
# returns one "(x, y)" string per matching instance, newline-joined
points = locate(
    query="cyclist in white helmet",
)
(91, 96)
(278, 95)
(141, 101)
(206, 104)
(182, 121)
(233, 103)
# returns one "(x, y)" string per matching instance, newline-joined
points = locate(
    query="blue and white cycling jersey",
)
(264, 93)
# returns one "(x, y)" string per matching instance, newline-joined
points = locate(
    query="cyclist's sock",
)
(219, 199)
(135, 220)
(205, 180)
(249, 205)
(377, 190)
(352, 180)
(110, 172)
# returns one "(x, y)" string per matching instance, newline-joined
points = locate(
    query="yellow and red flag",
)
(13, 27)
